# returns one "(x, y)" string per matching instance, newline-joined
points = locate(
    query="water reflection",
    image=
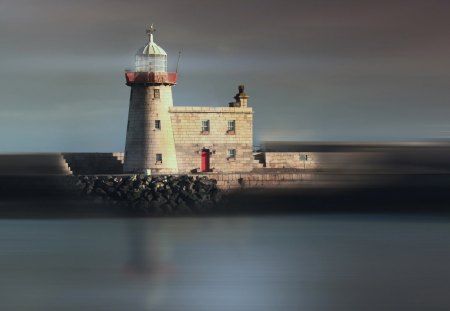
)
(313, 262)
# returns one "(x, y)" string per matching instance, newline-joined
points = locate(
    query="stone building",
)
(163, 139)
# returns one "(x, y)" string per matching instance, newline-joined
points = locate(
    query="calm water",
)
(304, 262)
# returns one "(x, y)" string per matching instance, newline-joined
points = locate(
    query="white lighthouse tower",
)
(150, 146)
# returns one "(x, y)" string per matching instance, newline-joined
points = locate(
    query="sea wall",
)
(153, 195)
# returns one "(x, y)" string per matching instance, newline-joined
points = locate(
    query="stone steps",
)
(120, 156)
(258, 160)
(95, 163)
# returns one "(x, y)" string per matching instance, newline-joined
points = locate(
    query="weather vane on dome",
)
(150, 32)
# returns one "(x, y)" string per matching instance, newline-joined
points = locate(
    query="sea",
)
(306, 261)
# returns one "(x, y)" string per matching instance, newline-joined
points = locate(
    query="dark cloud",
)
(314, 69)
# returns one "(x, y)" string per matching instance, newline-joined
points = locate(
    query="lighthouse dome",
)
(151, 49)
(151, 57)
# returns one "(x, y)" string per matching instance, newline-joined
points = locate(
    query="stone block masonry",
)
(294, 180)
(218, 139)
(145, 140)
(336, 161)
(260, 180)
(299, 160)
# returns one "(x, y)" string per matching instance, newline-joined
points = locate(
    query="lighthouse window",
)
(231, 126)
(156, 93)
(158, 124)
(205, 126)
(159, 158)
(231, 154)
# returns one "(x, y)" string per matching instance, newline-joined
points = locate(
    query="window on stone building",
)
(303, 157)
(159, 158)
(158, 124)
(205, 126)
(156, 93)
(231, 127)
(231, 154)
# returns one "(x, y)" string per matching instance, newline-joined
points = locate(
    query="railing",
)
(134, 77)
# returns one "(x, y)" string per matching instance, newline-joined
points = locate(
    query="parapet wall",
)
(343, 161)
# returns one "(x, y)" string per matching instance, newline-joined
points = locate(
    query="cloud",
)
(329, 69)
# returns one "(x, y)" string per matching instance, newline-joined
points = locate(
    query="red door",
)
(204, 165)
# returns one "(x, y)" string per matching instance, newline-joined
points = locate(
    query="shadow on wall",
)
(95, 163)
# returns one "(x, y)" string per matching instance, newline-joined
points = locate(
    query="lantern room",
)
(150, 67)
(151, 57)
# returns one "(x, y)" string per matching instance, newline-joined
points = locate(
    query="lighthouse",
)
(150, 146)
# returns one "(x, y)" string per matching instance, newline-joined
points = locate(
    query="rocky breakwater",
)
(153, 196)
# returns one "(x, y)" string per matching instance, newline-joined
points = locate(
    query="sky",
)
(314, 70)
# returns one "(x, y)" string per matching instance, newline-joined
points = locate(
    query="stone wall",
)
(300, 179)
(252, 180)
(300, 160)
(189, 139)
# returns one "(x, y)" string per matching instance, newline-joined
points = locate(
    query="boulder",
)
(157, 195)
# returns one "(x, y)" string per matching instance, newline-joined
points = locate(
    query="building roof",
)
(151, 48)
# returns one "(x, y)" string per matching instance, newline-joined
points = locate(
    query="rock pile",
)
(157, 195)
